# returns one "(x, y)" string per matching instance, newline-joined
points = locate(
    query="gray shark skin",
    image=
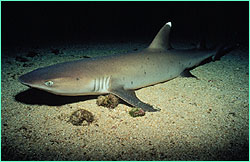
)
(120, 74)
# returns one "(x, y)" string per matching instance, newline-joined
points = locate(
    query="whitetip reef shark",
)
(121, 74)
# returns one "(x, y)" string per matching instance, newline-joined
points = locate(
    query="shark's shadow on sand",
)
(34, 96)
(38, 97)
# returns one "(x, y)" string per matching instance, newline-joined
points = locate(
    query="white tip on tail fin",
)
(161, 40)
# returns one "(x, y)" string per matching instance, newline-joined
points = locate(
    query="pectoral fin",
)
(130, 97)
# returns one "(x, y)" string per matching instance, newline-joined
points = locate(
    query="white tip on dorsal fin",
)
(169, 23)
(161, 40)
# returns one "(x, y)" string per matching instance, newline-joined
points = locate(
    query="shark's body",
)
(118, 74)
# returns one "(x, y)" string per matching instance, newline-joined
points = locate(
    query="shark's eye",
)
(49, 83)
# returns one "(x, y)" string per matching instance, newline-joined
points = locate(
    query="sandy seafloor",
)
(205, 119)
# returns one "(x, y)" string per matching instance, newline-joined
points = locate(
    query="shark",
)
(122, 74)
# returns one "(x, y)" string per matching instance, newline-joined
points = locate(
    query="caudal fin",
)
(223, 50)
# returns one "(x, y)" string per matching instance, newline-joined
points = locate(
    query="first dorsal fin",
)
(161, 40)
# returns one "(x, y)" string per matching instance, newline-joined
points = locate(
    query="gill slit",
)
(101, 84)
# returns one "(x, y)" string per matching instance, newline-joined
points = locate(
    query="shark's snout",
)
(30, 78)
(25, 79)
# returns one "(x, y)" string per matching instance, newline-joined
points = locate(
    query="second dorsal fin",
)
(161, 40)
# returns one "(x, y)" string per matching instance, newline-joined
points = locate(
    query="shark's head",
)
(58, 80)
